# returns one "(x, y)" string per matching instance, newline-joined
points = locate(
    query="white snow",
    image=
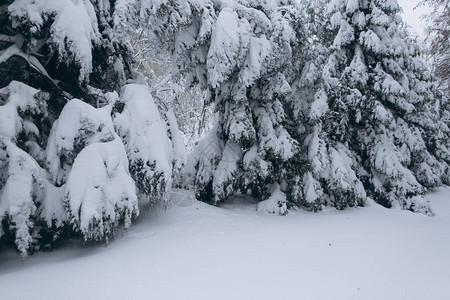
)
(196, 251)
(20, 97)
(345, 36)
(372, 41)
(74, 29)
(225, 171)
(320, 106)
(16, 195)
(24, 184)
(99, 190)
(79, 124)
(229, 37)
(259, 50)
(200, 165)
(141, 127)
(276, 204)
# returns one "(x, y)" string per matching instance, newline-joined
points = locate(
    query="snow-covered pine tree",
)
(331, 179)
(242, 51)
(374, 114)
(62, 161)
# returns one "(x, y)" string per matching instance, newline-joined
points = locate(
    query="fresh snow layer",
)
(74, 29)
(196, 251)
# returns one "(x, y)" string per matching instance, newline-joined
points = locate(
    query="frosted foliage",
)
(357, 69)
(78, 125)
(382, 114)
(342, 174)
(352, 6)
(20, 98)
(387, 160)
(224, 173)
(99, 190)
(145, 136)
(61, 160)
(388, 5)
(178, 148)
(239, 36)
(320, 106)
(27, 196)
(312, 190)
(359, 19)
(378, 17)
(335, 167)
(226, 50)
(183, 27)
(274, 139)
(317, 152)
(275, 204)
(239, 125)
(253, 163)
(74, 30)
(25, 192)
(409, 136)
(16, 198)
(372, 41)
(125, 16)
(52, 211)
(259, 49)
(202, 160)
(233, 43)
(345, 34)
(85, 153)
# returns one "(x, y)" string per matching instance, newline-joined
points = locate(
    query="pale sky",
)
(412, 16)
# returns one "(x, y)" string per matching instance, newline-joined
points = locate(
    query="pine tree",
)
(373, 112)
(332, 179)
(72, 158)
(242, 52)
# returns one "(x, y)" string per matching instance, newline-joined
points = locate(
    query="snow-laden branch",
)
(16, 39)
(32, 61)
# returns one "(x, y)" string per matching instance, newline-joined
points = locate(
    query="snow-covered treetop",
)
(377, 23)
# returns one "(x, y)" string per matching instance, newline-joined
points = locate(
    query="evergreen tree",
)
(332, 179)
(76, 124)
(374, 113)
(243, 53)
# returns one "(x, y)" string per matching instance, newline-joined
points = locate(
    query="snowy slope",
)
(195, 251)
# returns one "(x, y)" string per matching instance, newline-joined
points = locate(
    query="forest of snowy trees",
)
(316, 104)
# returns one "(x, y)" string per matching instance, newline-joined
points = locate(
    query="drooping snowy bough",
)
(27, 195)
(154, 146)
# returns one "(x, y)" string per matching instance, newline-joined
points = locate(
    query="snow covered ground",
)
(195, 251)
